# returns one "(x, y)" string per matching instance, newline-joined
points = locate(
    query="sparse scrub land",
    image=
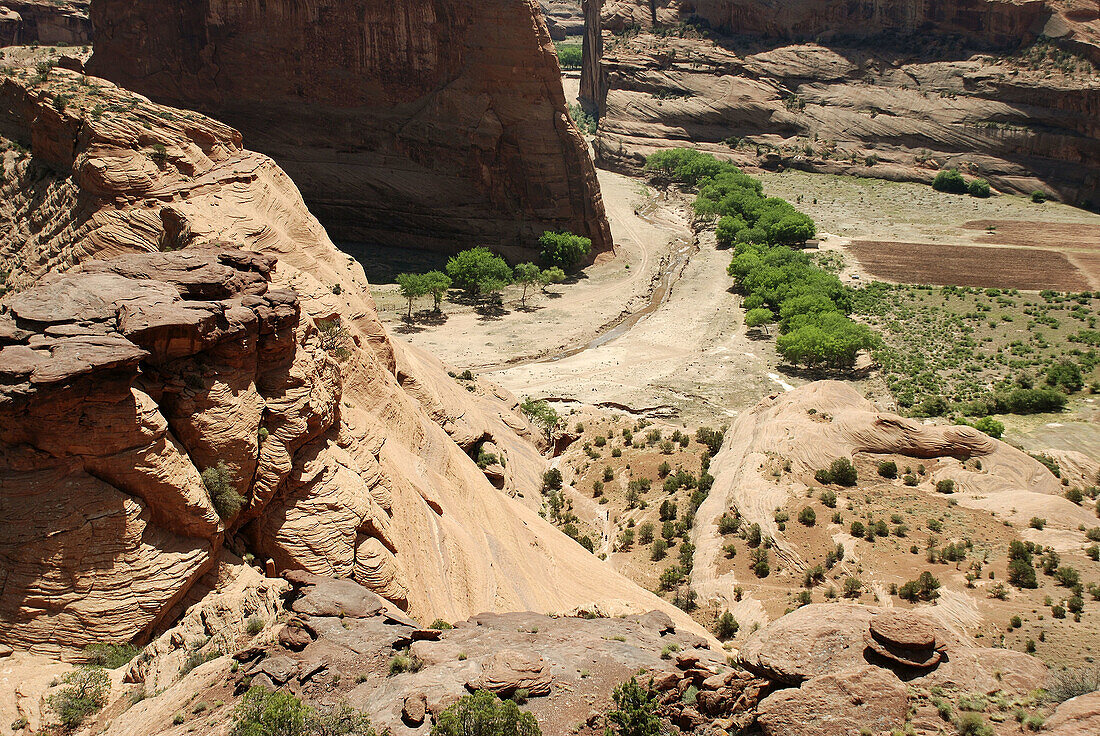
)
(981, 351)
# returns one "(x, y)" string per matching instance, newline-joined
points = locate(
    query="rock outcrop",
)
(197, 318)
(1008, 91)
(564, 18)
(432, 125)
(46, 22)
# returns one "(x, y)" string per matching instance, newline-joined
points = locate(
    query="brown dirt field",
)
(981, 266)
(1059, 235)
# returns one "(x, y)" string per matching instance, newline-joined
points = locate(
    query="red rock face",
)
(897, 89)
(434, 124)
(23, 22)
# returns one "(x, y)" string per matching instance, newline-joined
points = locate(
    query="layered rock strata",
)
(149, 335)
(46, 22)
(1009, 91)
(439, 124)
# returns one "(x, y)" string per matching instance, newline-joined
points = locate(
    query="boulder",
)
(848, 702)
(1078, 716)
(904, 639)
(811, 641)
(414, 709)
(510, 670)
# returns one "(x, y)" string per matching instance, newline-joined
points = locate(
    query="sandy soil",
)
(691, 355)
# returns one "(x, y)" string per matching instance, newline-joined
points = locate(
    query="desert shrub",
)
(405, 662)
(857, 529)
(726, 626)
(888, 469)
(909, 479)
(265, 713)
(563, 250)
(853, 587)
(441, 625)
(551, 480)
(659, 550)
(950, 181)
(635, 712)
(972, 724)
(925, 587)
(978, 188)
(710, 437)
(484, 714)
(219, 484)
(255, 625)
(1074, 682)
(807, 516)
(1038, 197)
(828, 498)
(840, 471)
(111, 656)
(84, 691)
(729, 524)
(945, 486)
(1065, 375)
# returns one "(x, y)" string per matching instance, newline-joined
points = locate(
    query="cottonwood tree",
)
(479, 272)
(413, 286)
(526, 275)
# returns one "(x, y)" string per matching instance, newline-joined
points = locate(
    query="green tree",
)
(759, 317)
(726, 627)
(264, 713)
(84, 692)
(438, 284)
(1066, 375)
(635, 712)
(542, 414)
(563, 250)
(978, 188)
(527, 274)
(551, 276)
(951, 181)
(413, 286)
(479, 271)
(484, 714)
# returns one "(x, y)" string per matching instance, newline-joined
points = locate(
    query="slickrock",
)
(1079, 716)
(509, 670)
(852, 701)
(826, 639)
(441, 125)
(178, 352)
(896, 90)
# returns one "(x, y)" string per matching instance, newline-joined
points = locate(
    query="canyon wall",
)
(174, 309)
(1009, 91)
(436, 124)
(46, 22)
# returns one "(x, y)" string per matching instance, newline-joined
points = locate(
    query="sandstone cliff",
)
(47, 22)
(1009, 91)
(185, 346)
(439, 124)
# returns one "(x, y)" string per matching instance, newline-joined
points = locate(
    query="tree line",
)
(481, 273)
(779, 283)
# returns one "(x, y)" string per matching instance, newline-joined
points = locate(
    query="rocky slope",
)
(46, 22)
(564, 18)
(441, 125)
(225, 329)
(819, 671)
(1009, 91)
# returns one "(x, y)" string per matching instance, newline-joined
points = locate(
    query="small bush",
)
(950, 181)
(888, 469)
(405, 662)
(1038, 197)
(219, 484)
(85, 692)
(111, 656)
(635, 712)
(807, 516)
(255, 625)
(726, 627)
(1072, 683)
(945, 486)
(978, 188)
(972, 724)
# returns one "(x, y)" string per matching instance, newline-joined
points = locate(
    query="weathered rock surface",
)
(437, 125)
(46, 22)
(826, 639)
(564, 18)
(125, 379)
(851, 701)
(1009, 91)
(1079, 716)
